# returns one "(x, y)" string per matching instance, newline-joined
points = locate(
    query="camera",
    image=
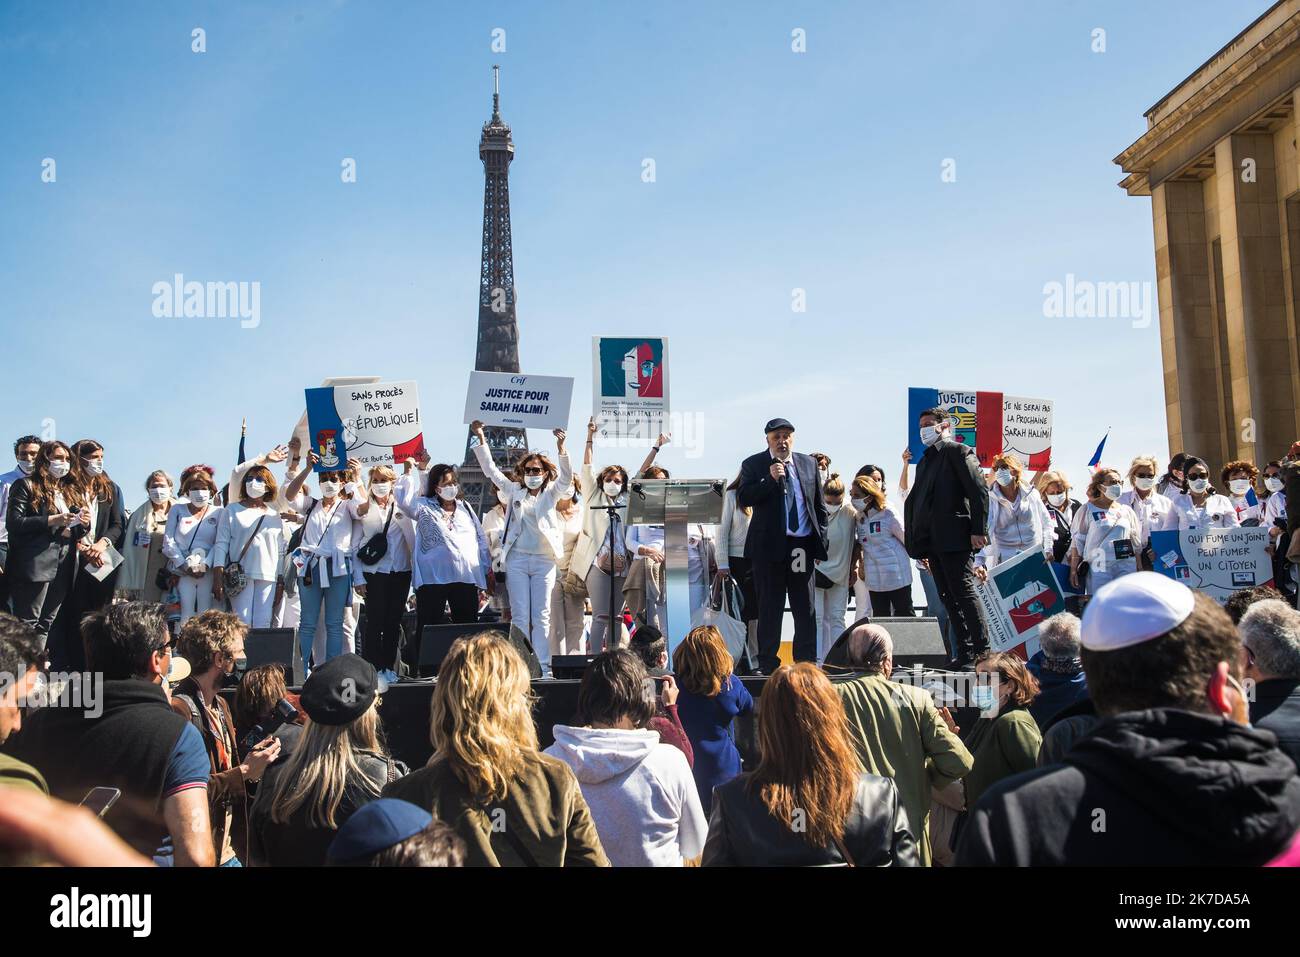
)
(283, 713)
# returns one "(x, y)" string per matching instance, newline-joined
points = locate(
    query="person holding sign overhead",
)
(532, 542)
(1106, 534)
(323, 561)
(1200, 506)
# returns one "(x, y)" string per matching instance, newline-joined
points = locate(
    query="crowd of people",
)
(1174, 719)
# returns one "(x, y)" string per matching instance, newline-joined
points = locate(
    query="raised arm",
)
(484, 457)
(294, 487)
(664, 439)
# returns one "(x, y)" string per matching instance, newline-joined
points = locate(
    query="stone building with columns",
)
(1220, 163)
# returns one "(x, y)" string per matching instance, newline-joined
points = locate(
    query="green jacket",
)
(899, 734)
(1003, 746)
(543, 821)
(15, 773)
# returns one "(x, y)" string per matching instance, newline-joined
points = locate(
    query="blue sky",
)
(775, 170)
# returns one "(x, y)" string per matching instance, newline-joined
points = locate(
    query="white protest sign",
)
(518, 400)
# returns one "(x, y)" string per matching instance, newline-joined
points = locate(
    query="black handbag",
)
(295, 539)
(377, 547)
(235, 579)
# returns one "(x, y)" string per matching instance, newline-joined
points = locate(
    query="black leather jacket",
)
(742, 832)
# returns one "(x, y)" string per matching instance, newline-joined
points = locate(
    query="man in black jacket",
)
(945, 520)
(787, 534)
(1174, 775)
(124, 734)
(1270, 642)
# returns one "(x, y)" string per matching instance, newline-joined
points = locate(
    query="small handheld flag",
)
(1096, 456)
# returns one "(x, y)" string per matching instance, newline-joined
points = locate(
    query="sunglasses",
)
(534, 471)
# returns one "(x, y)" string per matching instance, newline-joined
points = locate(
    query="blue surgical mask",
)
(982, 697)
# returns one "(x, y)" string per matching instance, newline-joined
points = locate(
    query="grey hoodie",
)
(641, 794)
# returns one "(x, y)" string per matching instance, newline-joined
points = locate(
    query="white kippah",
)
(1134, 608)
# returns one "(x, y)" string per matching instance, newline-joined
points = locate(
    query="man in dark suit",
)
(945, 520)
(787, 534)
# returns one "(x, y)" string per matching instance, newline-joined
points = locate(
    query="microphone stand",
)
(610, 641)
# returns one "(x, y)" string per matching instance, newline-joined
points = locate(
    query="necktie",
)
(792, 508)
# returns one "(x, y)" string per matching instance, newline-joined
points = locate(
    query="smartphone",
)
(100, 800)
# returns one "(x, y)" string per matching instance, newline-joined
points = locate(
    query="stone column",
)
(1187, 333)
(1255, 320)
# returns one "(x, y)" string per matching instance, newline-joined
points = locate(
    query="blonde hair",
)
(382, 473)
(1011, 462)
(867, 488)
(1051, 477)
(481, 719)
(1141, 460)
(322, 767)
(1099, 478)
(834, 485)
(702, 662)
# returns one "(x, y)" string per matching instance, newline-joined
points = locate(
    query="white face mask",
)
(329, 489)
(26, 467)
(448, 492)
(93, 466)
(1057, 499)
(930, 434)
(1198, 485)
(825, 474)
(382, 488)
(1144, 484)
(1004, 476)
(860, 504)
(255, 488)
(1239, 486)
(833, 507)
(59, 468)
(1273, 483)
(533, 481)
(613, 489)
(1113, 492)
(159, 494)
(200, 496)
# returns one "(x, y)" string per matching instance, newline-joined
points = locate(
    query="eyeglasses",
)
(533, 471)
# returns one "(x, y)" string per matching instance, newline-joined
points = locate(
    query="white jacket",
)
(549, 524)
(595, 523)
(1005, 526)
(642, 796)
(840, 538)
(733, 529)
(265, 552)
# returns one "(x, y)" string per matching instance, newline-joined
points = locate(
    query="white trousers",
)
(253, 604)
(862, 600)
(829, 608)
(532, 578)
(195, 595)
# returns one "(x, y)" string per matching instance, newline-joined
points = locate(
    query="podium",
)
(676, 504)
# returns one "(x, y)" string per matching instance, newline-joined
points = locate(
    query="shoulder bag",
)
(236, 579)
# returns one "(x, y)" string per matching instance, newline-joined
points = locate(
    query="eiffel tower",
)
(498, 330)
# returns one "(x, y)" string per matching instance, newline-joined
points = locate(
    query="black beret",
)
(340, 691)
(777, 424)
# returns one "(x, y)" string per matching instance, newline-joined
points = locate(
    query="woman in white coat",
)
(532, 542)
(831, 597)
(1018, 519)
(142, 553)
(568, 596)
(1106, 533)
(251, 534)
(190, 538)
(1199, 506)
(732, 563)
